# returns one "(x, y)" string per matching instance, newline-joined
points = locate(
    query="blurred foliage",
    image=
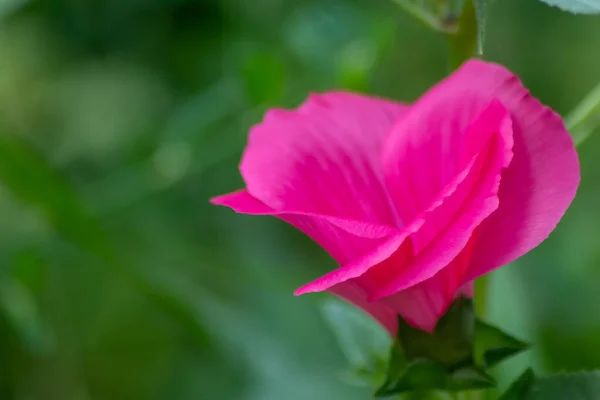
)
(119, 119)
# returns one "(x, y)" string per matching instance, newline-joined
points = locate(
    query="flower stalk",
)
(585, 118)
(463, 41)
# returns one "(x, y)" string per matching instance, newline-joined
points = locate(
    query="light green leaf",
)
(576, 6)
(364, 342)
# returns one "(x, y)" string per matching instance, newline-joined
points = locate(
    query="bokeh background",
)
(120, 118)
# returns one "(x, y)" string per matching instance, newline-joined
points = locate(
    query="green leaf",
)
(451, 343)
(521, 387)
(492, 345)
(363, 341)
(576, 6)
(481, 13)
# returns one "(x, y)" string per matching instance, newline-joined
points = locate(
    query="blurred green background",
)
(120, 118)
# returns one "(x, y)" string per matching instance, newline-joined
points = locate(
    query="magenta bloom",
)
(414, 202)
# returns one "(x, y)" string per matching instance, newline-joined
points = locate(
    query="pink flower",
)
(414, 202)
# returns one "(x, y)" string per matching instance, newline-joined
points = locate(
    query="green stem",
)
(481, 294)
(463, 43)
(585, 118)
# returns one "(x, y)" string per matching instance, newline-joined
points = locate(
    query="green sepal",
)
(427, 375)
(453, 357)
(493, 345)
(450, 344)
(520, 388)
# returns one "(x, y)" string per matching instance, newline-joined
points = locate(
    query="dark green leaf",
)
(576, 6)
(492, 345)
(521, 387)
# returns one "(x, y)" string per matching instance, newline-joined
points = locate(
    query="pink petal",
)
(384, 314)
(423, 304)
(541, 181)
(323, 158)
(355, 243)
(432, 144)
(456, 211)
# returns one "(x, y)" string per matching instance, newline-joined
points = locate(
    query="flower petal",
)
(356, 244)
(457, 210)
(432, 144)
(323, 158)
(542, 179)
(384, 314)
(439, 232)
(423, 304)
